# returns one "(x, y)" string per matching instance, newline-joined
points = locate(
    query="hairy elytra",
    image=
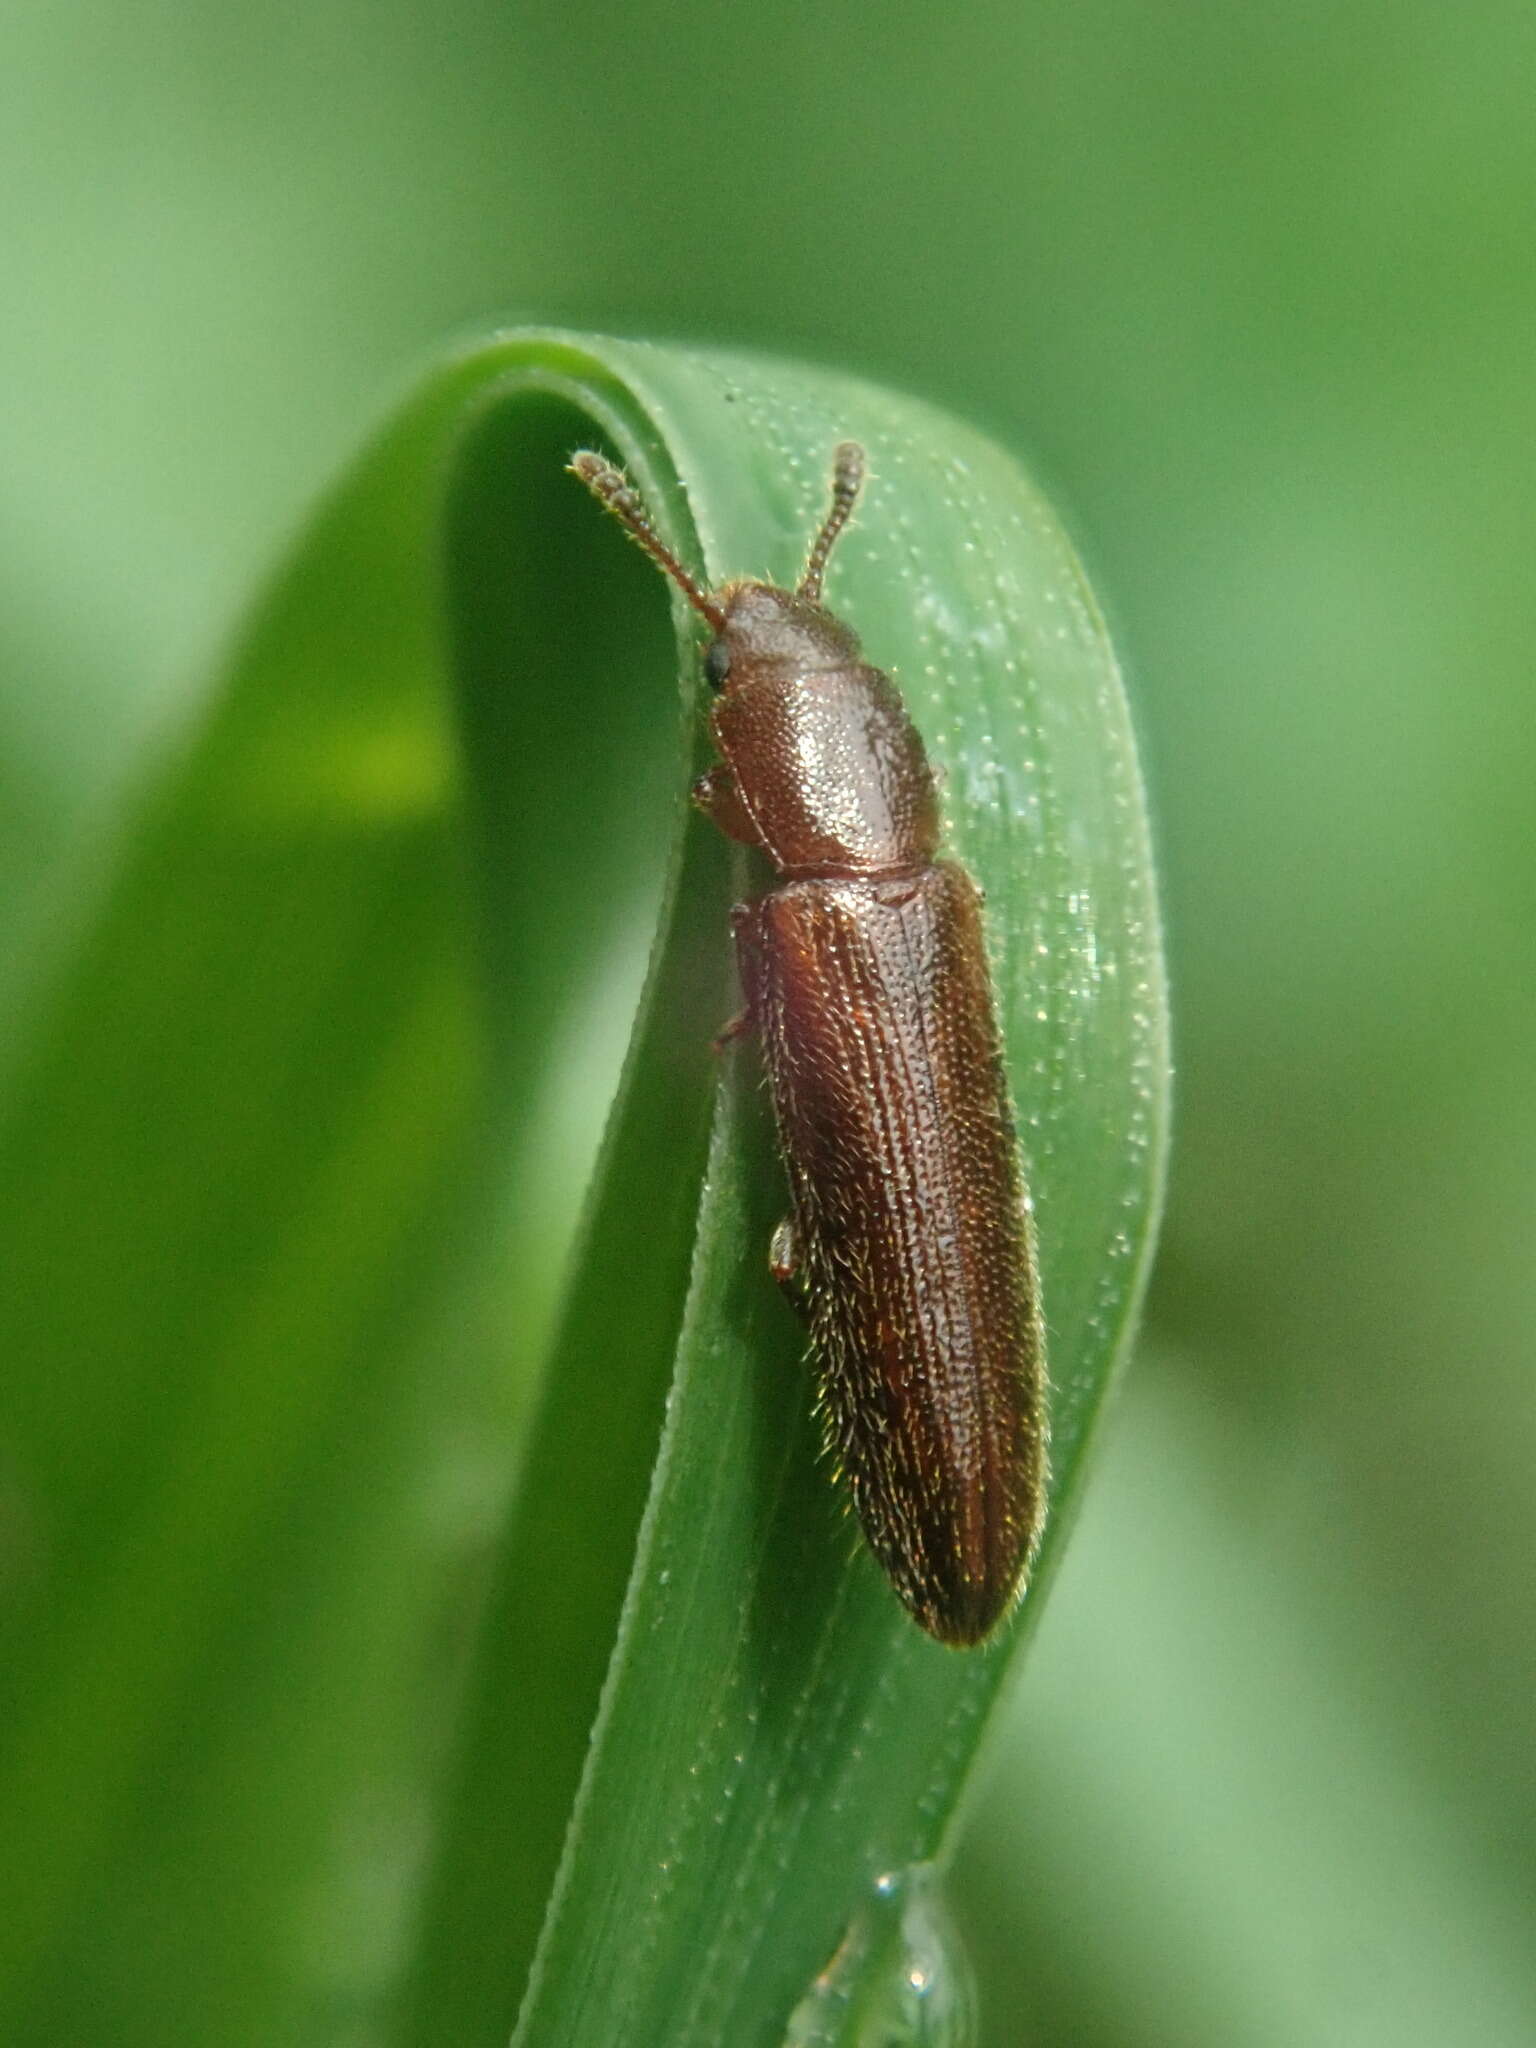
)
(909, 1248)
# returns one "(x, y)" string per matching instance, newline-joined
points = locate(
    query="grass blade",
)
(282, 1213)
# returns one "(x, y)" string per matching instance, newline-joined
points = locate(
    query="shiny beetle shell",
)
(909, 1247)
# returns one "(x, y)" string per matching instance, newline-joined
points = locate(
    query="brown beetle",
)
(909, 1249)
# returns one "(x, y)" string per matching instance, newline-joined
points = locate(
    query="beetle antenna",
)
(613, 489)
(847, 481)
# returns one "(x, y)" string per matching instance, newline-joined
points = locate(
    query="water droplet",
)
(898, 1976)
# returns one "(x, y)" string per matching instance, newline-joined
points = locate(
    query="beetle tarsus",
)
(784, 1264)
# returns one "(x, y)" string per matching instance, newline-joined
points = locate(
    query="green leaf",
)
(290, 1150)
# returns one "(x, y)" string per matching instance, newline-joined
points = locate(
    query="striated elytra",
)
(909, 1248)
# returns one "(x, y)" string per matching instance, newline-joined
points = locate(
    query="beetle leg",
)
(736, 1027)
(717, 796)
(742, 924)
(784, 1265)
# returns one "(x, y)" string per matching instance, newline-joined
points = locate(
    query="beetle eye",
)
(717, 664)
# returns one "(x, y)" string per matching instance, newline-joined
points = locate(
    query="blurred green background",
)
(1254, 290)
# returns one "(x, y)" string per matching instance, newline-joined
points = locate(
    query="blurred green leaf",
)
(284, 1188)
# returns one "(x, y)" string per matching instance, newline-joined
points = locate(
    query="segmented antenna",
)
(847, 480)
(613, 490)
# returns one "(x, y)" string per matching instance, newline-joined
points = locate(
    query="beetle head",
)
(769, 631)
(759, 629)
